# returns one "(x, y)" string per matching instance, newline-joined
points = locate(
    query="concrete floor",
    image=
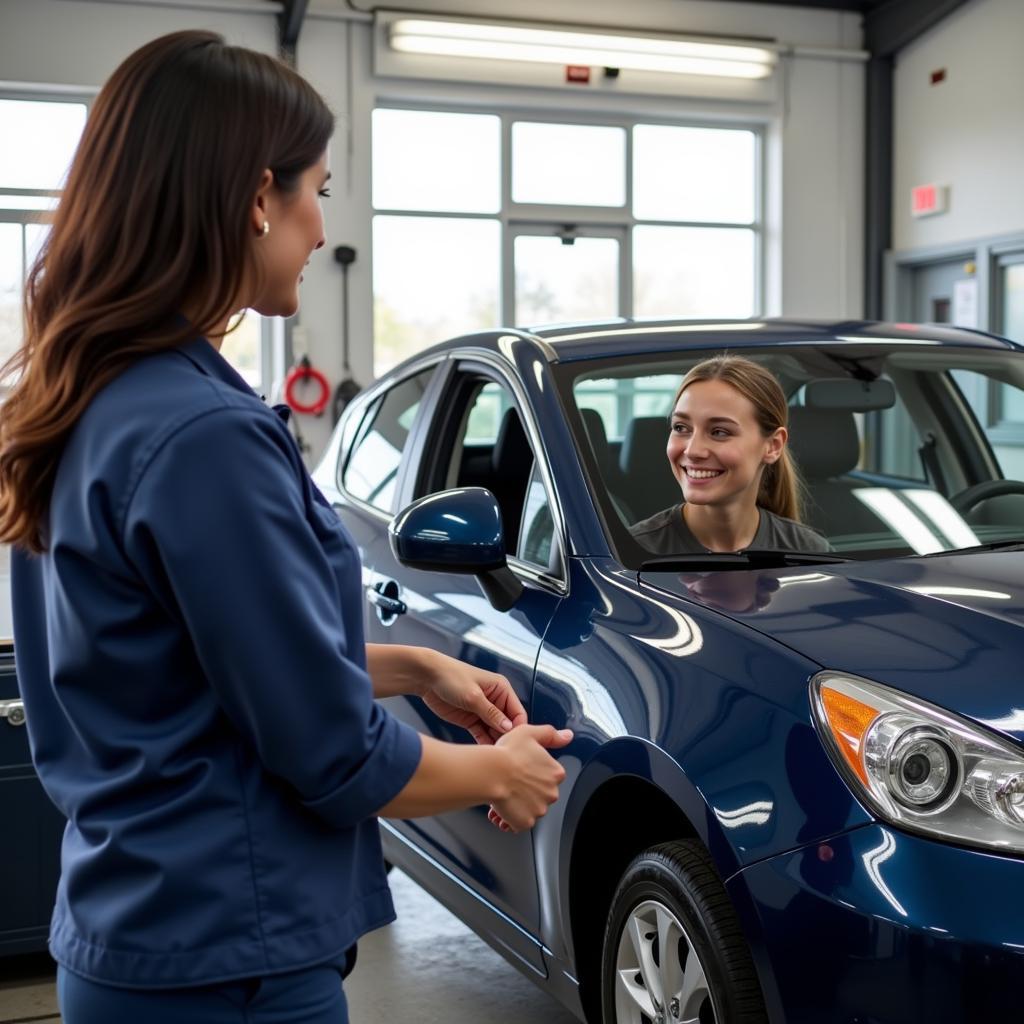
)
(426, 967)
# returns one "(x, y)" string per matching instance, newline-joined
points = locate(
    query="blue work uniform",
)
(191, 656)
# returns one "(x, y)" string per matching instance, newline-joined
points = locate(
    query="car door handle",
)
(389, 604)
(13, 711)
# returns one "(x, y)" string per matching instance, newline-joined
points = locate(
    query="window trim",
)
(1002, 431)
(368, 402)
(482, 362)
(34, 93)
(512, 215)
(271, 354)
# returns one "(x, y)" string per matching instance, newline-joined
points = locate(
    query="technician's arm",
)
(479, 701)
(396, 669)
(517, 776)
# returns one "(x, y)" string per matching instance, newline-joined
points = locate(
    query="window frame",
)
(1002, 431)
(989, 256)
(362, 416)
(514, 217)
(272, 335)
(465, 365)
(26, 218)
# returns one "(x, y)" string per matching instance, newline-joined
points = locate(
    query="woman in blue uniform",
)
(188, 620)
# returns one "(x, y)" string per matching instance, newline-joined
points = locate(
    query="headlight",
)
(919, 766)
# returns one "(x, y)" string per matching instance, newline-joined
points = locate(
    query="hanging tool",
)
(347, 389)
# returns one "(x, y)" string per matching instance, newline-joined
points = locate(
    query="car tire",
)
(673, 891)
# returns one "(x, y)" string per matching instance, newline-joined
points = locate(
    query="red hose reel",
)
(299, 378)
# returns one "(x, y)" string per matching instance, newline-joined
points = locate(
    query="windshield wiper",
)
(762, 558)
(975, 549)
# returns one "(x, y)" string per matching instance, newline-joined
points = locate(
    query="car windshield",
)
(902, 449)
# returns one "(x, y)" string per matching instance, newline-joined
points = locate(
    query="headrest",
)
(595, 429)
(644, 443)
(512, 453)
(824, 442)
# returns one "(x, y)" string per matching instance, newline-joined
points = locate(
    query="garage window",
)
(32, 169)
(45, 133)
(488, 219)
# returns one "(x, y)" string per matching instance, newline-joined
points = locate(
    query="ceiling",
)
(888, 24)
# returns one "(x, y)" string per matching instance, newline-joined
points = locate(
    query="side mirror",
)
(457, 531)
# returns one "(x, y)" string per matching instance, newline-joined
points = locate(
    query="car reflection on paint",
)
(796, 788)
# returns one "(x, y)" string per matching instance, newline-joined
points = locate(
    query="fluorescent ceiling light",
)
(944, 516)
(899, 517)
(495, 41)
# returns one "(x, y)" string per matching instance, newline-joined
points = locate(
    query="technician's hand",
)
(532, 776)
(481, 702)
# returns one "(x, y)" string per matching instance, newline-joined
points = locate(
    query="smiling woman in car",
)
(727, 450)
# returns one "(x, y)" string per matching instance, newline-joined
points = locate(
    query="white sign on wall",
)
(965, 302)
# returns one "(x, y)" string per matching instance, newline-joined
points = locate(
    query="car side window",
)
(490, 448)
(999, 408)
(537, 544)
(371, 472)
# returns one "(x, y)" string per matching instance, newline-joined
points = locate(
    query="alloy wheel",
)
(659, 976)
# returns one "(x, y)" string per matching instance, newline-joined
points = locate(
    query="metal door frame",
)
(554, 228)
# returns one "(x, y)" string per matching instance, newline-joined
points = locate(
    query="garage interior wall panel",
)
(75, 42)
(813, 131)
(822, 195)
(965, 132)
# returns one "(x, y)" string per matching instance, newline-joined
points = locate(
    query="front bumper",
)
(877, 926)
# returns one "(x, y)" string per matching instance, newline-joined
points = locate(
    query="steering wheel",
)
(970, 497)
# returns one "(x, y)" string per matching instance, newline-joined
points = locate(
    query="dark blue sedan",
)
(796, 788)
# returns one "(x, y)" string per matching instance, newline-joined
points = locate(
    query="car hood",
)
(948, 629)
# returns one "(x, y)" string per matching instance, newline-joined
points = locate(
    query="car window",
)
(485, 414)
(371, 472)
(932, 459)
(482, 429)
(891, 443)
(537, 536)
(999, 408)
(490, 449)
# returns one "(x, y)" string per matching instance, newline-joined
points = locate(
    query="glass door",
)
(946, 292)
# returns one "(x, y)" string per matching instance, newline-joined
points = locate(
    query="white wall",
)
(814, 130)
(76, 42)
(966, 132)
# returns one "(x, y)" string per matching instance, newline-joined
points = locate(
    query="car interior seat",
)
(511, 462)
(604, 455)
(648, 485)
(825, 446)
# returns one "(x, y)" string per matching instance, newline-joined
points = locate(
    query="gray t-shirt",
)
(666, 533)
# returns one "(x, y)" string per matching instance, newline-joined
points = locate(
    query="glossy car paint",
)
(673, 692)
(455, 531)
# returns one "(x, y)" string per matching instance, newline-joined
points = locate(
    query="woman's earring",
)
(266, 229)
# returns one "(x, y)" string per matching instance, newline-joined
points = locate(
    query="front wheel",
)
(673, 949)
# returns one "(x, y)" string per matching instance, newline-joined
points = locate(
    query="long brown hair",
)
(154, 217)
(780, 490)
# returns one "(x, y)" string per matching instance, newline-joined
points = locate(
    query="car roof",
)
(561, 343)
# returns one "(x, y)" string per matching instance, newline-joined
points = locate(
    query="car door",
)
(364, 466)
(478, 437)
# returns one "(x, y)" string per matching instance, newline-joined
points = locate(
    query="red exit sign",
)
(928, 199)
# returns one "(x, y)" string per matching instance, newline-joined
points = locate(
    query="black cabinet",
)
(30, 831)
